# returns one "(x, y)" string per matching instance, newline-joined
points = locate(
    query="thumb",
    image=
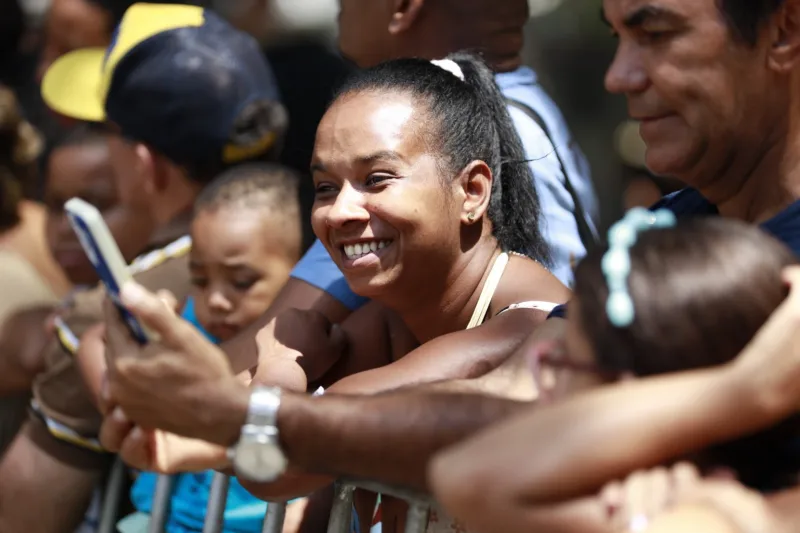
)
(137, 449)
(156, 312)
(168, 299)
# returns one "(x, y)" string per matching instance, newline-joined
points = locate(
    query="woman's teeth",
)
(354, 251)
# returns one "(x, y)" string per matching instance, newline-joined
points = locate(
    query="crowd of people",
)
(386, 264)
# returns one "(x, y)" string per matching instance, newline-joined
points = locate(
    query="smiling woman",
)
(425, 202)
(411, 164)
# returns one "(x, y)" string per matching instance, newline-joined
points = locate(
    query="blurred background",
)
(567, 44)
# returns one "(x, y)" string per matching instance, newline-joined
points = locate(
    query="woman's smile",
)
(364, 253)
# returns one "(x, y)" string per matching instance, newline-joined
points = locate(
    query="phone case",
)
(104, 254)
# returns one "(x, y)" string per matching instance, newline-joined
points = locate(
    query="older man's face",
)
(701, 94)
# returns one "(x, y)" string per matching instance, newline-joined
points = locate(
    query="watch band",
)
(263, 408)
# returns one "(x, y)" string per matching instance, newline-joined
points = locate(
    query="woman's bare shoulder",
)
(526, 280)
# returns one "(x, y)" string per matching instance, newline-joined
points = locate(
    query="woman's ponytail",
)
(514, 206)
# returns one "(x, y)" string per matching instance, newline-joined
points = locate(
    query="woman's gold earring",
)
(471, 217)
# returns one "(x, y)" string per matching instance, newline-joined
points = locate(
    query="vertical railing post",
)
(217, 498)
(342, 510)
(112, 497)
(417, 517)
(161, 500)
(276, 514)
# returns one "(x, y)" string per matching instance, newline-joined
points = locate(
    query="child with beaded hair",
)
(663, 297)
(666, 297)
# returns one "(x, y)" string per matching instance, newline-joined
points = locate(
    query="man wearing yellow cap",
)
(189, 97)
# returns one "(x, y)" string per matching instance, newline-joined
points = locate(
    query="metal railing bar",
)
(161, 502)
(217, 498)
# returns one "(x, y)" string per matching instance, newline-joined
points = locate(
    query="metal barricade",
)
(340, 521)
(161, 503)
(217, 498)
(342, 511)
(276, 514)
(112, 498)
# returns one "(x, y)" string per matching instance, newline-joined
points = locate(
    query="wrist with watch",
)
(258, 456)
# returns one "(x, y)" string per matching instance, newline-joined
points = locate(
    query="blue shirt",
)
(558, 224)
(244, 513)
(785, 226)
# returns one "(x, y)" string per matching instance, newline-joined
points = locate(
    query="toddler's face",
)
(238, 264)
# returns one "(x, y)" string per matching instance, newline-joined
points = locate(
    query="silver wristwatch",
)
(258, 456)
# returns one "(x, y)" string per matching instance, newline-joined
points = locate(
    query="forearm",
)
(483, 510)
(22, 341)
(387, 438)
(573, 448)
(91, 363)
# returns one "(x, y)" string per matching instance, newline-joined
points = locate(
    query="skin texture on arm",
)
(460, 355)
(91, 360)
(22, 341)
(341, 435)
(346, 436)
(546, 457)
(513, 378)
(630, 426)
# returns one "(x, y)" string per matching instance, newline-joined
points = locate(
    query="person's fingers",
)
(685, 476)
(635, 498)
(657, 492)
(158, 317)
(168, 299)
(115, 428)
(135, 449)
(118, 338)
(612, 498)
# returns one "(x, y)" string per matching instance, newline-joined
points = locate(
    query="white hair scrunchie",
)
(450, 66)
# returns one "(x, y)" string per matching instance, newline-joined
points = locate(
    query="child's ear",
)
(544, 377)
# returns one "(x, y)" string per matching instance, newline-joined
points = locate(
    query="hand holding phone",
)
(105, 256)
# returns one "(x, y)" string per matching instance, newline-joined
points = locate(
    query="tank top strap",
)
(489, 288)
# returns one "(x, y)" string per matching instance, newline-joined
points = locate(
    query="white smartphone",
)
(104, 254)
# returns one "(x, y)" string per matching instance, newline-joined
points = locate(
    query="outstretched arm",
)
(572, 448)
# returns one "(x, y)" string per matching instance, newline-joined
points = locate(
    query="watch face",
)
(261, 462)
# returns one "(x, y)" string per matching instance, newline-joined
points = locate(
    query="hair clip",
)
(450, 66)
(616, 263)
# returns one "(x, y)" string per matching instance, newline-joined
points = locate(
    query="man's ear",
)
(404, 14)
(476, 187)
(147, 166)
(785, 50)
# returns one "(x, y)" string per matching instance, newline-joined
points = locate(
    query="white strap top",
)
(490, 287)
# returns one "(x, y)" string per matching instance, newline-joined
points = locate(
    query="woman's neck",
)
(446, 304)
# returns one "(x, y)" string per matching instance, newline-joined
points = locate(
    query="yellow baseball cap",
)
(179, 78)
